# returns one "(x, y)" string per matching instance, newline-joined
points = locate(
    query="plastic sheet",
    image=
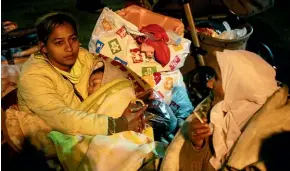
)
(163, 119)
(230, 34)
(160, 116)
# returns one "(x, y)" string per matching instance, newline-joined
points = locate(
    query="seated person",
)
(53, 85)
(241, 87)
(53, 82)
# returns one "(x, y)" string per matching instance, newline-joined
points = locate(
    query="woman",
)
(242, 84)
(54, 82)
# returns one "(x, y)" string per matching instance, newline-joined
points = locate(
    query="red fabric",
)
(157, 40)
(157, 77)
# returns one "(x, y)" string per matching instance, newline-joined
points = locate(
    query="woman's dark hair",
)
(48, 22)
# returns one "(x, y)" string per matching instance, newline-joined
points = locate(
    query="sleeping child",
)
(164, 127)
(95, 80)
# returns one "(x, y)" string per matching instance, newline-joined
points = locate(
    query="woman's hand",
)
(198, 132)
(135, 117)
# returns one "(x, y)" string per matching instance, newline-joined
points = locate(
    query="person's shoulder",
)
(36, 65)
(83, 50)
(86, 57)
(84, 53)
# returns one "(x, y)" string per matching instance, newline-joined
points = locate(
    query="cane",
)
(193, 32)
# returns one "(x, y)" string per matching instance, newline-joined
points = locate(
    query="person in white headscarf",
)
(244, 82)
(242, 85)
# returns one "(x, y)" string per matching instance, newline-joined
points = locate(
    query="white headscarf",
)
(247, 81)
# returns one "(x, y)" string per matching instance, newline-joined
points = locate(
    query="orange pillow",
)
(142, 17)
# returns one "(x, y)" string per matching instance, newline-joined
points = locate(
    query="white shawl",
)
(247, 81)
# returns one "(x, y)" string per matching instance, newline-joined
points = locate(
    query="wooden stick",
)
(193, 31)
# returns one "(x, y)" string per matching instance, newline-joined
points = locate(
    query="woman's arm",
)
(41, 98)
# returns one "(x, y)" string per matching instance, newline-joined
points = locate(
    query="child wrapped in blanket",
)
(95, 82)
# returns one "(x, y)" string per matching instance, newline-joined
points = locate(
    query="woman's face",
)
(215, 84)
(62, 47)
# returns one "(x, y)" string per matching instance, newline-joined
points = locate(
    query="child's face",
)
(95, 82)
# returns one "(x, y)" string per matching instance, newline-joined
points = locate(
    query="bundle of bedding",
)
(150, 44)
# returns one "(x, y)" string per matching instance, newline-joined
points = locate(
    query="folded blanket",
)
(22, 125)
(122, 151)
(103, 101)
(78, 152)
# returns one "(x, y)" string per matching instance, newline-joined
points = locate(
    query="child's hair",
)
(48, 22)
(99, 70)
